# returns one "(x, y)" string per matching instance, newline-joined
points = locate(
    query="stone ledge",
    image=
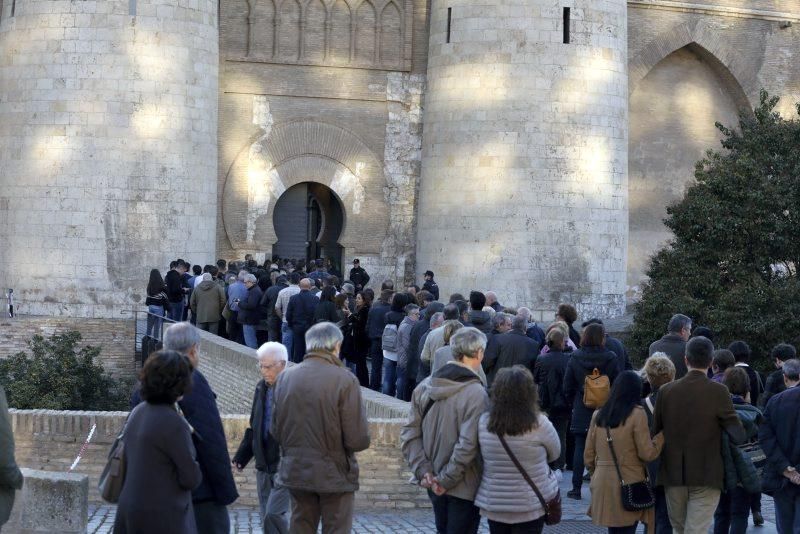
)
(50, 502)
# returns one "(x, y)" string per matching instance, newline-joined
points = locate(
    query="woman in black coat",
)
(592, 355)
(162, 469)
(326, 309)
(356, 338)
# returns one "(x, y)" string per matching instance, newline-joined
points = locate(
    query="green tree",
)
(733, 262)
(58, 375)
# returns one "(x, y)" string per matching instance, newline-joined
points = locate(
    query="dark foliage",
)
(733, 262)
(58, 375)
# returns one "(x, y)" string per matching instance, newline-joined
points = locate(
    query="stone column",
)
(524, 170)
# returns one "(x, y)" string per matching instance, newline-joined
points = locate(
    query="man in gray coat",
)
(440, 440)
(319, 422)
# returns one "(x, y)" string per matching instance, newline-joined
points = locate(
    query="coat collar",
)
(326, 356)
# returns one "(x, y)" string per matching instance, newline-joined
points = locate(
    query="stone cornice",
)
(720, 11)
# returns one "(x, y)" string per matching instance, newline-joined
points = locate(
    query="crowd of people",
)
(500, 408)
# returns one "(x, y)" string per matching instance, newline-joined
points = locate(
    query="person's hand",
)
(437, 488)
(426, 481)
(793, 476)
(237, 467)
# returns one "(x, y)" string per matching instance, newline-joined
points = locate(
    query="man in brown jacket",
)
(319, 422)
(693, 412)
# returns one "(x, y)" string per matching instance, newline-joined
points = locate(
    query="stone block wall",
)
(50, 441)
(114, 336)
(108, 121)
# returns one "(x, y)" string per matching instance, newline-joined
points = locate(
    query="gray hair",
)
(519, 322)
(437, 318)
(206, 277)
(791, 369)
(278, 350)
(490, 311)
(242, 276)
(524, 312)
(181, 337)
(323, 336)
(249, 278)
(466, 342)
(350, 289)
(678, 323)
(500, 319)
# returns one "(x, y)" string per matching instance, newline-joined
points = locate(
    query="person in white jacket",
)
(504, 497)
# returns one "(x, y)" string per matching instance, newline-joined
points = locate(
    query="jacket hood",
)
(408, 320)
(592, 357)
(205, 286)
(450, 379)
(749, 415)
(477, 317)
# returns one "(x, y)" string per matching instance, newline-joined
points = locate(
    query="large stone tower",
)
(108, 148)
(524, 171)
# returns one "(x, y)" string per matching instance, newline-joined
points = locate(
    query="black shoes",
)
(574, 494)
(758, 519)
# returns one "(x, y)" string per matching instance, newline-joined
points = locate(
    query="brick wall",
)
(113, 336)
(50, 441)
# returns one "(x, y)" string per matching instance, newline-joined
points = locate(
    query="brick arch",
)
(309, 151)
(707, 44)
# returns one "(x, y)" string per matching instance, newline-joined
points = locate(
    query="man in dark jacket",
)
(549, 376)
(358, 275)
(509, 349)
(693, 412)
(775, 384)
(376, 321)
(430, 285)
(249, 311)
(174, 282)
(320, 422)
(477, 317)
(778, 438)
(300, 317)
(741, 353)
(268, 302)
(258, 442)
(217, 490)
(673, 344)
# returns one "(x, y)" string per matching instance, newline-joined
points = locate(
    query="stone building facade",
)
(469, 139)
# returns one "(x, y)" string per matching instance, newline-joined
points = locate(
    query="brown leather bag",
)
(596, 389)
(552, 508)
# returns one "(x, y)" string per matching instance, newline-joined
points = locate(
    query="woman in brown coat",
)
(627, 422)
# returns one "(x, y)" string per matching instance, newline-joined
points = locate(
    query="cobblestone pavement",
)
(575, 521)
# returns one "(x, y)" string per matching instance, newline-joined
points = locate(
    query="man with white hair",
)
(320, 423)
(259, 443)
(440, 439)
(491, 301)
(199, 407)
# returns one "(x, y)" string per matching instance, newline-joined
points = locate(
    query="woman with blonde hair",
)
(569, 346)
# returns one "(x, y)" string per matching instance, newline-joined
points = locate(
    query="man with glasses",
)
(258, 442)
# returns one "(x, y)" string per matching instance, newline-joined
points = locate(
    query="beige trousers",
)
(691, 508)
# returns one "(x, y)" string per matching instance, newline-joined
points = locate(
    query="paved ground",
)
(575, 521)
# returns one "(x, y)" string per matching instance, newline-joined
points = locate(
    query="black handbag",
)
(637, 496)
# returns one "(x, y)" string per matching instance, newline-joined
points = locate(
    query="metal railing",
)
(147, 325)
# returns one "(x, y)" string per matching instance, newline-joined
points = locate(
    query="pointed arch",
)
(706, 43)
(366, 20)
(289, 30)
(341, 29)
(391, 32)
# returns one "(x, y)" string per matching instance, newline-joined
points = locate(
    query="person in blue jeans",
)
(157, 303)
(778, 438)
(249, 310)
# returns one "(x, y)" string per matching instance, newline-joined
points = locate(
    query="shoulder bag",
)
(637, 496)
(552, 508)
(113, 476)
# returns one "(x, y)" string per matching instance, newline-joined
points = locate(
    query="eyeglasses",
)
(270, 366)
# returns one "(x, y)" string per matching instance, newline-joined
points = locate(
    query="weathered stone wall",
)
(691, 64)
(524, 172)
(114, 336)
(108, 126)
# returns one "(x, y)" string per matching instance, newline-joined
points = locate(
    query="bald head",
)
(305, 283)
(491, 297)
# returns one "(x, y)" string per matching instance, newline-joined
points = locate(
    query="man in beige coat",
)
(319, 422)
(207, 302)
(440, 440)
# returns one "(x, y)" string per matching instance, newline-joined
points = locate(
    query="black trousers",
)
(529, 527)
(376, 355)
(454, 515)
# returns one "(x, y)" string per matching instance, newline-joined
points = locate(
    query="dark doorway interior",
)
(308, 221)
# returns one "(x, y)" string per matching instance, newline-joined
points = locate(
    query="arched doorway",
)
(308, 220)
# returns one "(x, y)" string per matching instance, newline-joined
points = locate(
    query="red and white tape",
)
(83, 448)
